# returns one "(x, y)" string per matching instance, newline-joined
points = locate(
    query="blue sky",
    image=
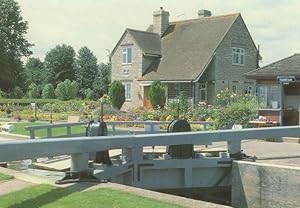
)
(98, 24)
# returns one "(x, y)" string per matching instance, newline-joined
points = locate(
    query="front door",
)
(147, 103)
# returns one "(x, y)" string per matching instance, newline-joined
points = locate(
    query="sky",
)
(99, 24)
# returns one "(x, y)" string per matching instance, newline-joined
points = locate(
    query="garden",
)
(229, 109)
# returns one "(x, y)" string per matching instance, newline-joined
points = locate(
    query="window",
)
(268, 96)
(248, 90)
(238, 56)
(125, 72)
(203, 92)
(127, 91)
(234, 87)
(127, 55)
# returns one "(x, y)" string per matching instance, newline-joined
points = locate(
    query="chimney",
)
(204, 13)
(160, 21)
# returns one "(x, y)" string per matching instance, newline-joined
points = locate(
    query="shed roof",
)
(284, 67)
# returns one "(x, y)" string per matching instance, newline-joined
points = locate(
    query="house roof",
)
(287, 66)
(188, 47)
(148, 42)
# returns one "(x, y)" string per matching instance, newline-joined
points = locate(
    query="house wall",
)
(225, 72)
(208, 77)
(135, 71)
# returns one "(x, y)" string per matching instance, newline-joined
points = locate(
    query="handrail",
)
(49, 127)
(25, 149)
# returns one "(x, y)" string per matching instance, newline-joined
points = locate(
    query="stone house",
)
(199, 57)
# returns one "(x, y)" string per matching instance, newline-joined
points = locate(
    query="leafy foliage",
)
(67, 90)
(240, 109)
(13, 44)
(86, 69)
(117, 94)
(34, 91)
(102, 81)
(157, 94)
(34, 71)
(59, 64)
(48, 92)
(17, 92)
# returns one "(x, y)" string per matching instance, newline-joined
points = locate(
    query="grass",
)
(47, 196)
(4, 177)
(20, 129)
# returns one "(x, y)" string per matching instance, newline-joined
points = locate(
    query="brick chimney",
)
(204, 13)
(160, 21)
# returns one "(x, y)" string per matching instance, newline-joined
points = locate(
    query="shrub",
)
(117, 94)
(33, 91)
(17, 92)
(66, 90)
(48, 92)
(240, 111)
(157, 94)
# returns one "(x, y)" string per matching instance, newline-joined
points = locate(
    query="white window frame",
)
(248, 90)
(128, 93)
(126, 72)
(238, 56)
(125, 57)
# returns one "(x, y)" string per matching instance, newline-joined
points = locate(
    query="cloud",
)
(99, 24)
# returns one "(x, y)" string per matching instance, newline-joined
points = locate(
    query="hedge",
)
(26, 101)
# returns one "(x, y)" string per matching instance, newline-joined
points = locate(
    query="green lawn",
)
(20, 129)
(47, 196)
(4, 177)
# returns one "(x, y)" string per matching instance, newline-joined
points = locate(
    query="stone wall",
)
(264, 185)
(227, 74)
(135, 70)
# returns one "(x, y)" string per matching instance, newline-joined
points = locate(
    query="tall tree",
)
(13, 44)
(34, 72)
(86, 69)
(59, 64)
(102, 80)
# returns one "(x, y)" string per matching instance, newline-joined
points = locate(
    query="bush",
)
(157, 95)
(48, 92)
(117, 94)
(33, 91)
(66, 90)
(240, 111)
(17, 93)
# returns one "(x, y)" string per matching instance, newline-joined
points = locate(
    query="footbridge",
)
(146, 170)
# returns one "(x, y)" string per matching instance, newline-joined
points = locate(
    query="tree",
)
(13, 44)
(48, 92)
(34, 72)
(157, 94)
(59, 64)
(86, 69)
(117, 94)
(34, 91)
(102, 80)
(67, 90)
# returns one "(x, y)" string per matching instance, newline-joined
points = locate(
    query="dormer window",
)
(238, 56)
(127, 55)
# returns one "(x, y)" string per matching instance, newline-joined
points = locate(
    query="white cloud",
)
(99, 24)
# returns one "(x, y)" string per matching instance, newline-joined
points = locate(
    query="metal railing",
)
(26, 149)
(149, 127)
